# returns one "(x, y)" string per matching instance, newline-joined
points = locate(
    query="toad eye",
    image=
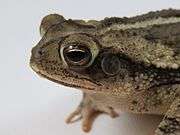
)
(76, 55)
(78, 50)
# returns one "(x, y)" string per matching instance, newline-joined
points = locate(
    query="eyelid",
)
(73, 50)
(50, 42)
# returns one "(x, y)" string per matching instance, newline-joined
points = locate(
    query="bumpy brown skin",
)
(146, 80)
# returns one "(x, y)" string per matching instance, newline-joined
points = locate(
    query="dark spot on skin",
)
(176, 95)
(134, 34)
(134, 102)
(137, 88)
(145, 109)
(149, 37)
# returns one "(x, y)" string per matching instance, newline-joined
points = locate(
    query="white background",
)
(30, 105)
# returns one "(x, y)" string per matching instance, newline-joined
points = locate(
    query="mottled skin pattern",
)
(134, 65)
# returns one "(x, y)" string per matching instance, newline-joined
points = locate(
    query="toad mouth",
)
(83, 87)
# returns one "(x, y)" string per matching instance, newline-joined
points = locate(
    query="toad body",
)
(128, 64)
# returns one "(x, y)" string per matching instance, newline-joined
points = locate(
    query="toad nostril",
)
(39, 52)
(36, 52)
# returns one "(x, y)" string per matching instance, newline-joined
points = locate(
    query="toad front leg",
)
(88, 111)
(171, 122)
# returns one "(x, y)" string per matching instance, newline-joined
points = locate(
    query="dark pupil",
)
(76, 56)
